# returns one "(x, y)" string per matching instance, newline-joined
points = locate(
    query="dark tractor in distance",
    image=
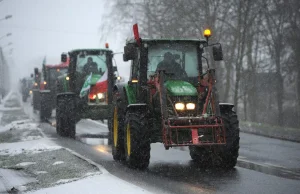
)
(171, 99)
(48, 91)
(26, 87)
(36, 89)
(86, 90)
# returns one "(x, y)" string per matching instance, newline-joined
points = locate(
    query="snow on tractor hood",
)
(180, 88)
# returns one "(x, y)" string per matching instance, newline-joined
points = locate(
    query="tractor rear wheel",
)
(137, 140)
(117, 134)
(230, 152)
(65, 117)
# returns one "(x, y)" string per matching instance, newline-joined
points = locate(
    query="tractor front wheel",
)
(65, 116)
(137, 140)
(117, 134)
(230, 152)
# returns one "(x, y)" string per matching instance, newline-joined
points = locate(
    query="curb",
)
(270, 136)
(100, 168)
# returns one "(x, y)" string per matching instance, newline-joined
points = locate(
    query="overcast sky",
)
(49, 27)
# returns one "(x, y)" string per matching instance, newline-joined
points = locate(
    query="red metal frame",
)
(211, 123)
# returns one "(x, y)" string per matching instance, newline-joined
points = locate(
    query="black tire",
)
(59, 113)
(109, 124)
(230, 152)
(65, 116)
(46, 107)
(223, 156)
(202, 156)
(117, 134)
(137, 140)
(24, 98)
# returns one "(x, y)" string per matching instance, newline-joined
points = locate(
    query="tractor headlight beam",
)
(179, 106)
(190, 106)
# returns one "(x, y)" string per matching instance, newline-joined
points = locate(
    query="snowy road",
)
(265, 165)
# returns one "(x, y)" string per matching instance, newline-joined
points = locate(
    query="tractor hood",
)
(180, 88)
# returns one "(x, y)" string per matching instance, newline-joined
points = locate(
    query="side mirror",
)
(31, 75)
(129, 52)
(217, 52)
(36, 71)
(64, 57)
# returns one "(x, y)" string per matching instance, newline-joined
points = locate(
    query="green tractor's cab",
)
(86, 90)
(171, 99)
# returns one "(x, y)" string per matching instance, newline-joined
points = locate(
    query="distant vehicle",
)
(25, 87)
(44, 88)
(48, 88)
(86, 90)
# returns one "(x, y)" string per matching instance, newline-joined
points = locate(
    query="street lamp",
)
(6, 17)
(6, 35)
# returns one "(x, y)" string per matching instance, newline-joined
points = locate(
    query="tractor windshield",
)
(179, 59)
(95, 64)
(55, 72)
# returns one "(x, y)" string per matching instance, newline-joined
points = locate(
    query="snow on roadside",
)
(26, 124)
(34, 146)
(58, 162)
(25, 163)
(104, 183)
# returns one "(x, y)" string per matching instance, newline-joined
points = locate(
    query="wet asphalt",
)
(265, 165)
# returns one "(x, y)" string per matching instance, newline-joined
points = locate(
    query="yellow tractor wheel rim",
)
(128, 140)
(115, 127)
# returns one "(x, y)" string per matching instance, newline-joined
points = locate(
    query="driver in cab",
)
(171, 66)
(90, 67)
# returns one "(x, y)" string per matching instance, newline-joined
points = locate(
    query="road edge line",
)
(100, 167)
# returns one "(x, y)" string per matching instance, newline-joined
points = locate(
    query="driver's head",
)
(168, 56)
(90, 59)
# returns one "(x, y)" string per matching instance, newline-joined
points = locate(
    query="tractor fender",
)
(120, 89)
(66, 95)
(226, 107)
(140, 107)
(121, 98)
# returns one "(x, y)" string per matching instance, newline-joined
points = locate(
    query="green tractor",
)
(86, 90)
(171, 99)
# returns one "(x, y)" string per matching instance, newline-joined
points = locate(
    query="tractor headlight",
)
(100, 95)
(179, 106)
(190, 106)
(30, 92)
